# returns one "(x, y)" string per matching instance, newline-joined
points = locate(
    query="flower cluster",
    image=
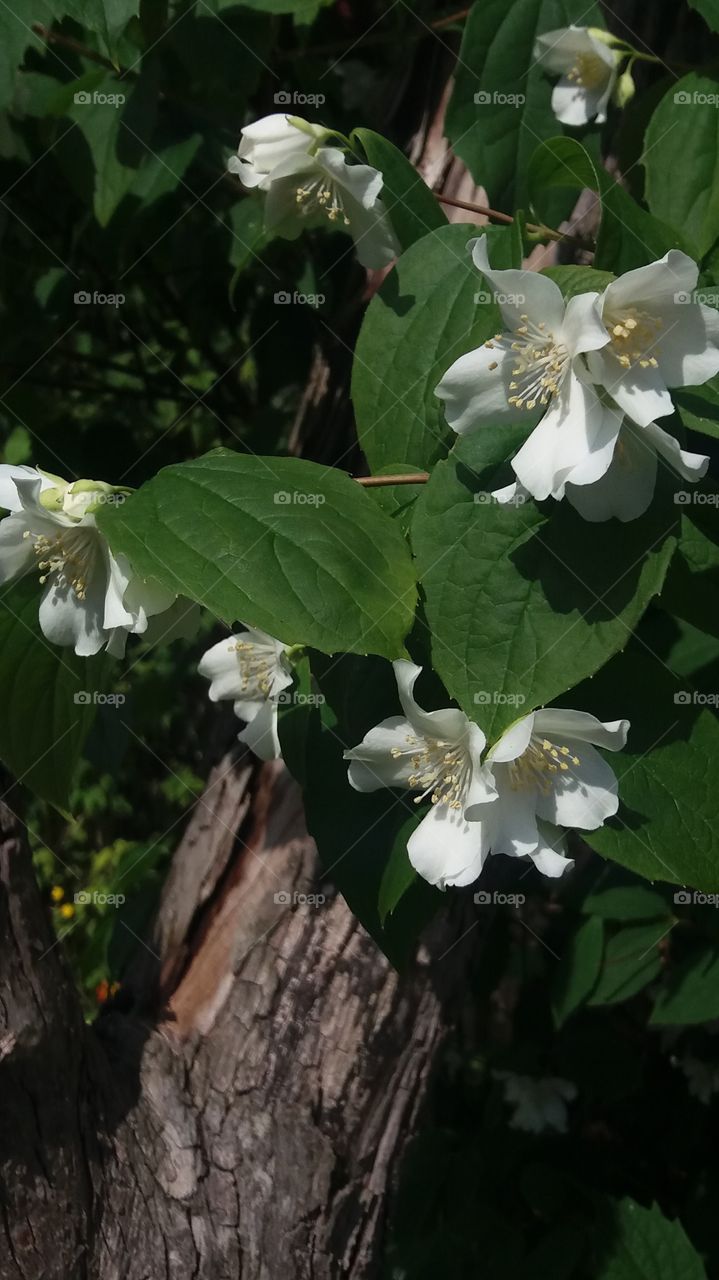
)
(251, 669)
(542, 776)
(593, 374)
(308, 182)
(92, 599)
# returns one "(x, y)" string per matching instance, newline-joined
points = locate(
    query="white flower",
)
(659, 337)
(627, 486)
(588, 68)
(252, 669)
(547, 775)
(539, 1104)
(438, 754)
(92, 598)
(534, 368)
(310, 184)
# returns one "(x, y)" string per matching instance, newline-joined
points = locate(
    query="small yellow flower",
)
(57, 893)
(67, 911)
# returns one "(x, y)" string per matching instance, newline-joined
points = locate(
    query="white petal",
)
(626, 488)
(562, 725)
(362, 182)
(641, 393)
(220, 665)
(551, 855)
(574, 105)
(521, 292)
(449, 723)
(265, 145)
(9, 499)
(576, 422)
(445, 849)
(261, 734)
(118, 577)
(653, 286)
(688, 348)
(583, 797)
(67, 620)
(513, 742)
(512, 818)
(475, 390)
(372, 763)
(690, 466)
(16, 551)
(583, 328)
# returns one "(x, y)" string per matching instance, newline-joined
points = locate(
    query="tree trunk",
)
(241, 1109)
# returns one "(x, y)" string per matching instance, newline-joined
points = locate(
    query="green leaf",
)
(577, 972)
(630, 902)
(631, 960)
(42, 728)
(682, 140)
(248, 236)
(709, 9)
(628, 235)
(520, 604)
(666, 825)
(107, 17)
(399, 874)
(699, 407)
(501, 103)
(641, 1244)
(286, 545)
(691, 991)
(413, 209)
(691, 590)
(424, 317)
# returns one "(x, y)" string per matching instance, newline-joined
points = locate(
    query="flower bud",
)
(625, 89)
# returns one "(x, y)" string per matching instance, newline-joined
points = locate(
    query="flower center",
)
(70, 554)
(537, 766)
(588, 72)
(256, 668)
(321, 196)
(541, 363)
(440, 769)
(633, 334)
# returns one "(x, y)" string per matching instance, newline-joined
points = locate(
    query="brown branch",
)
(67, 42)
(498, 216)
(377, 482)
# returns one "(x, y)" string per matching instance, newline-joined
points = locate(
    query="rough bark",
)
(241, 1109)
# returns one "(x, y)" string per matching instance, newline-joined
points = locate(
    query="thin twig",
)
(498, 216)
(377, 482)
